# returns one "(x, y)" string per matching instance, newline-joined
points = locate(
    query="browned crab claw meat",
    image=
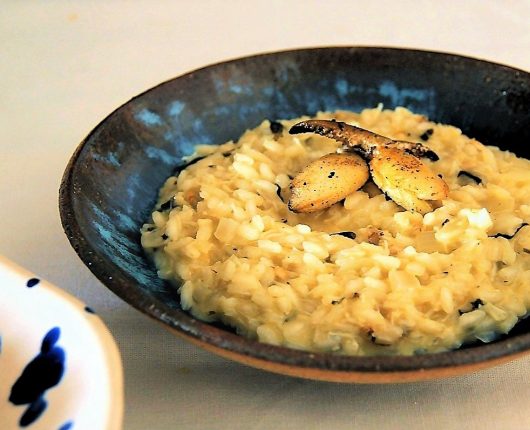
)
(326, 181)
(395, 167)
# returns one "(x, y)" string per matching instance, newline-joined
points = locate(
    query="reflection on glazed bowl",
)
(112, 181)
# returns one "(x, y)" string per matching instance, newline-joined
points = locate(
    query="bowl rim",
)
(243, 349)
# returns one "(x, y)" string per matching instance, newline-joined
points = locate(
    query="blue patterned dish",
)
(60, 367)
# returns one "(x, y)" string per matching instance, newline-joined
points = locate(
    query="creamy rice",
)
(395, 282)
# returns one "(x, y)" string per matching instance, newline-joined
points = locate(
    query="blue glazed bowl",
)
(111, 183)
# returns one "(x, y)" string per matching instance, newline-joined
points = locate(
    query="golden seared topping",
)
(394, 165)
(326, 181)
(406, 179)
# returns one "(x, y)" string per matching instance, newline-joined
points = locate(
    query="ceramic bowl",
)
(60, 367)
(111, 182)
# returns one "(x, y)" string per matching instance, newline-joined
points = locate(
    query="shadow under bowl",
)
(111, 182)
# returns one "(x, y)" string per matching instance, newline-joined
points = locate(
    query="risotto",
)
(364, 276)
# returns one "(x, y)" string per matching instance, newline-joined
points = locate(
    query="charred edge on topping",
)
(276, 126)
(507, 236)
(300, 128)
(366, 153)
(431, 155)
(348, 234)
(470, 176)
(427, 134)
(312, 128)
(420, 151)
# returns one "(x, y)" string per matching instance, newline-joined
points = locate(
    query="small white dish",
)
(60, 368)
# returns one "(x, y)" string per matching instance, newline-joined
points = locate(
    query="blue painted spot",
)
(118, 248)
(159, 154)
(33, 411)
(113, 159)
(342, 87)
(132, 187)
(42, 373)
(50, 340)
(219, 84)
(222, 110)
(148, 117)
(89, 310)
(198, 128)
(105, 234)
(32, 282)
(268, 91)
(398, 95)
(110, 158)
(66, 426)
(126, 221)
(283, 74)
(236, 89)
(175, 108)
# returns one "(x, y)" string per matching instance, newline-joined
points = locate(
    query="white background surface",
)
(65, 65)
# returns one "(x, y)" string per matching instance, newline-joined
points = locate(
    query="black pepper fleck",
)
(276, 127)
(348, 234)
(426, 135)
(470, 176)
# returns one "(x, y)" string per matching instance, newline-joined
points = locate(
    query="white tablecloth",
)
(65, 65)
